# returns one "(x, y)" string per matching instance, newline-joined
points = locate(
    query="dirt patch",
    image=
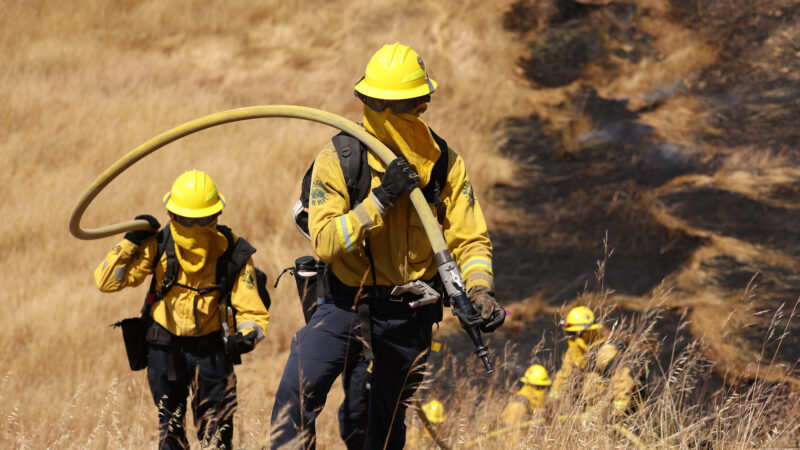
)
(754, 89)
(730, 214)
(574, 200)
(592, 171)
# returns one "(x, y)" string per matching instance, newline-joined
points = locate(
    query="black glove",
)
(239, 343)
(138, 236)
(492, 313)
(399, 179)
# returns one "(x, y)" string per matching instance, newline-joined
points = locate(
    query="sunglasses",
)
(398, 106)
(189, 221)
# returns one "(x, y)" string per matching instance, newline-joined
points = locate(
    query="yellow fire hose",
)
(235, 115)
(448, 270)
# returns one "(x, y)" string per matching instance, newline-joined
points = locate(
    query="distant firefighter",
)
(422, 435)
(593, 360)
(529, 397)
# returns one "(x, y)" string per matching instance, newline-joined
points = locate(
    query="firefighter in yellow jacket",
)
(603, 381)
(379, 242)
(183, 313)
(529, 397)
(419, 435)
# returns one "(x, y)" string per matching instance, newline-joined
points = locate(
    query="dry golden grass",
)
(676, 409)
(84, 82)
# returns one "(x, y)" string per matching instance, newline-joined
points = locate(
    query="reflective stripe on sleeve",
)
(477, 262)
(119, 273)
(345, 228)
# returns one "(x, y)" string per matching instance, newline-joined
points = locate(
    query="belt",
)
(387, 301)
(340, 291)
(158, 335)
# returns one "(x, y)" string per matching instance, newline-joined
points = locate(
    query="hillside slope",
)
(671, 130)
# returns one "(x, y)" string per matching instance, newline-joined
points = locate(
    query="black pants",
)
(401, 339)
(172, 372)
(353, 410)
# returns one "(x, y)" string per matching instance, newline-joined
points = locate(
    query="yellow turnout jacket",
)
(399, 245)
(595, 387)
(183, 312)
(521, 408)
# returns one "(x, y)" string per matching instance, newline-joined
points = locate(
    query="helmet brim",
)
(194, 213)
(385, 94)
(537, 383)
(578, 328)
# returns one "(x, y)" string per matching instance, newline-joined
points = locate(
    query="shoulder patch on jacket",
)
(469, 193)
(319, 194)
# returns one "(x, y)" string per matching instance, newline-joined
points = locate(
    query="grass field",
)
(85, 82)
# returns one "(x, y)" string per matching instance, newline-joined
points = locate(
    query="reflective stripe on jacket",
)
(183, 312)
(399, 245)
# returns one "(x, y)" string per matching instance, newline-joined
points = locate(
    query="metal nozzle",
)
(483, 354)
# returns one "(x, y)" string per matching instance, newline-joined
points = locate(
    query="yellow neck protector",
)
(534, 395)
(406, 135)
(195, 245)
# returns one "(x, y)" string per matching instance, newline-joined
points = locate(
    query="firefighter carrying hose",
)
(603, 381)
(378, 242)
(183, 314)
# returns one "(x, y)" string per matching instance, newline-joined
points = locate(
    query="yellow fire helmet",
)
(395, 72)
(434, 411)
(536, 375)
(194, 194)
(579, 318)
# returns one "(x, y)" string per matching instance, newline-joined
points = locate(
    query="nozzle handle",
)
(462, 307)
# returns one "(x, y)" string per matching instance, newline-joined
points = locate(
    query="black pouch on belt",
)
(307, 272)
(134, 330)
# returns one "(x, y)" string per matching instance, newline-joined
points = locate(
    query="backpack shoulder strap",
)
(433, 190)
(355, 167)
(167, 245)
(230, 263)
(354, 163)
(155, 292)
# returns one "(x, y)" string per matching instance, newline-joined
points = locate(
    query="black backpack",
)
(357, 174)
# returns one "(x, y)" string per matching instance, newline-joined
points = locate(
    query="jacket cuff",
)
(128, 247)
(479, 279)
(370, 213)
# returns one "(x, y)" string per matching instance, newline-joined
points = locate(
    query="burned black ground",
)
(575, 192)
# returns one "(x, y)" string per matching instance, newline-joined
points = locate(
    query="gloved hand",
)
(492, 314)
(398, 179)
(239, 343)
(138, 236)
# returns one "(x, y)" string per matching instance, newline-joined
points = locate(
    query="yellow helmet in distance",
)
(434, 411)
(194, 194)
(395, 72)
(536, 375)
(579, 318)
